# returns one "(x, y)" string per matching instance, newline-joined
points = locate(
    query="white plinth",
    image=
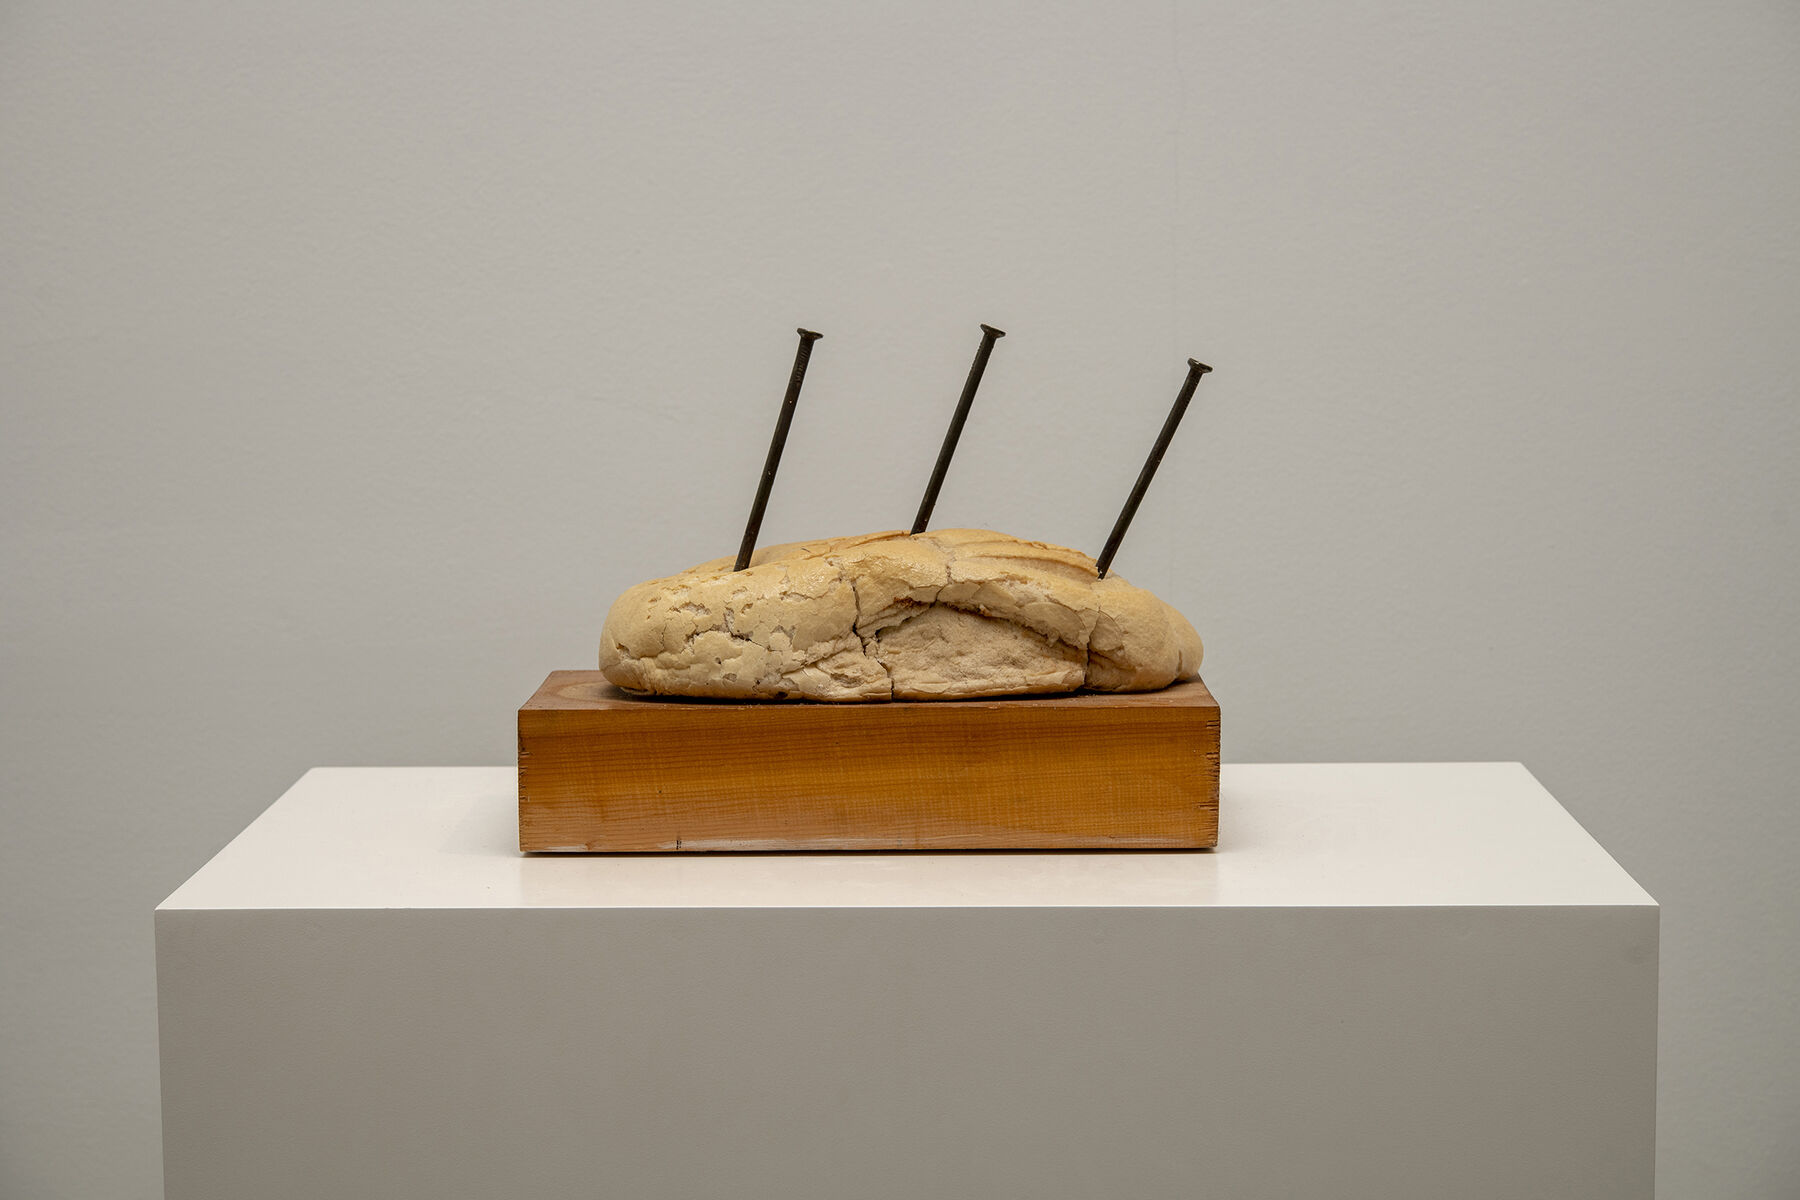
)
(1389, 981)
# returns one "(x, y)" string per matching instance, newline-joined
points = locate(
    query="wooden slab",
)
(602, 770)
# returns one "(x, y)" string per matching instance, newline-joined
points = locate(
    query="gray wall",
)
(353, 360)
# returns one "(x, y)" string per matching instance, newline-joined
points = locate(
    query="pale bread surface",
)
(946, 614)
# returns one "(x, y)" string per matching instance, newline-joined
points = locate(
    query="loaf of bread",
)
(945, 614)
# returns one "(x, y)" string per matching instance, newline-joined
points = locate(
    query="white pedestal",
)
(1389, 981)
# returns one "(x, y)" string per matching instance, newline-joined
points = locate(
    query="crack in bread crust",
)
(946, 614)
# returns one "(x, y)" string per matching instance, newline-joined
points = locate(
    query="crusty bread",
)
(891, 616)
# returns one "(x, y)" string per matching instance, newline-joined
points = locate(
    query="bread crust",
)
(946, 614)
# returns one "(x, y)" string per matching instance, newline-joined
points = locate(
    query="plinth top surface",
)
(1310, 835)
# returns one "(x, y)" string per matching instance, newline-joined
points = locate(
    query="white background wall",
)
(353, 357)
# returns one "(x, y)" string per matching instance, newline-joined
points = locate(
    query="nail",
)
(1196, 369)
(770, 464)
(989, 335)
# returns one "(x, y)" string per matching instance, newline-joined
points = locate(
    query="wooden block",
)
(603, 770)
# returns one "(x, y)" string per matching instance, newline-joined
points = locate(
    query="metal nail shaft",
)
(801, 357)
(1195, 370)
(989, 335)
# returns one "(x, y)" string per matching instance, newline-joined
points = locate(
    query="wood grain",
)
(600, 770)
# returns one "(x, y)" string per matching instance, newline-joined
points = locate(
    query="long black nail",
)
(989, 335)
(1196, 369)
(801, 356)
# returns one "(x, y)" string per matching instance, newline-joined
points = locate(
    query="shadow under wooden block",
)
(603, 770)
